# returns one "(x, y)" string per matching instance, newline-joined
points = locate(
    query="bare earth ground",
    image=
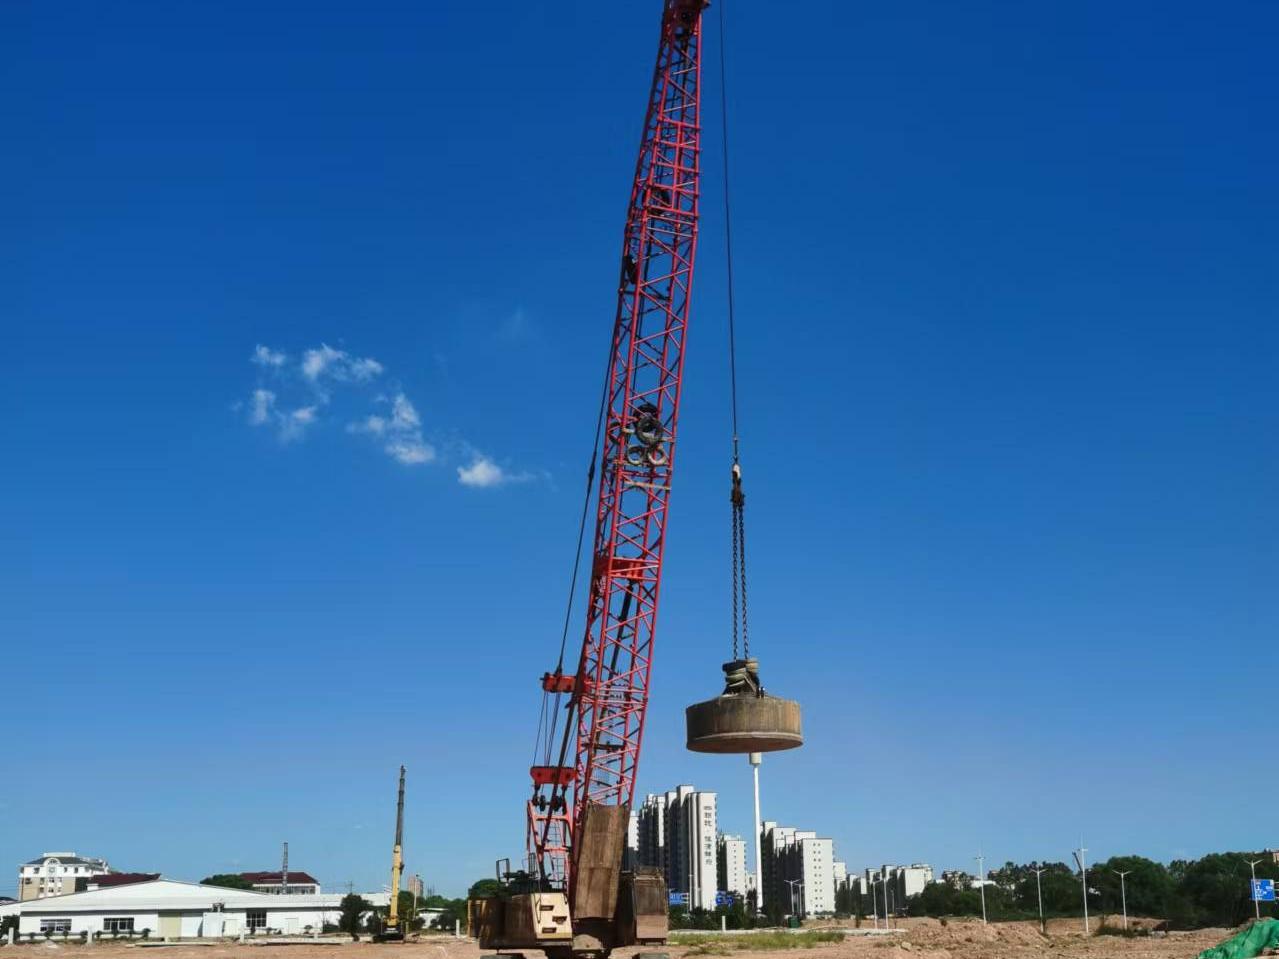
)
(916, 939)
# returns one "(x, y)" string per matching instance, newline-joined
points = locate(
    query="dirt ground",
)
(915, 939)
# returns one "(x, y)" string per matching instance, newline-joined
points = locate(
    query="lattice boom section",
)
(638, 456)
(612, 680)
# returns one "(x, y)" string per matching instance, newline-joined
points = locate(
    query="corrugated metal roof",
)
(173, 894)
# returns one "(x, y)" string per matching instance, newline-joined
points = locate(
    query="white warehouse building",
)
(178, 910)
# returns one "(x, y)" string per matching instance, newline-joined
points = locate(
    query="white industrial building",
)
(170, 909)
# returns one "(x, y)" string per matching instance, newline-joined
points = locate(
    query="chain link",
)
(736, 568)
(741, 537)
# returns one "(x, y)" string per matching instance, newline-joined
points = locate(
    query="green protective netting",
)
(1244, 945)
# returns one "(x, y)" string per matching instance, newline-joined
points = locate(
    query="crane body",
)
(574, 899)
(393, 929)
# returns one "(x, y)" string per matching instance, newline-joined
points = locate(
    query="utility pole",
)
(759, 842)
(1082, 862)
(874, 903)
(981, 884)
(284, 872)
(1039, 891)
(1256, 903)
(1123, 892)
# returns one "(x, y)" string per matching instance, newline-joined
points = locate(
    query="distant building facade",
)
(799, 871)
(676, 833)
(731, 868)
(630, 856)
(57, 874)
(275, 883)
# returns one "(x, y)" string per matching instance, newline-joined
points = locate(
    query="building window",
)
(255, 919)
(55, 925)
(121, 924)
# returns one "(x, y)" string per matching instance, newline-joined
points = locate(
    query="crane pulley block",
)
(552, 775)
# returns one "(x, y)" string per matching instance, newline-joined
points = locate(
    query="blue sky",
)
(1006, 287)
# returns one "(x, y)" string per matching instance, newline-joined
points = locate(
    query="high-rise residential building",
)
(733, 877)
(841, 886)
(911, 880)
(630, 856)
(651, 838)
(56, 874)
(799, 871)
(817, 875)
(676, 832)
(776, 892)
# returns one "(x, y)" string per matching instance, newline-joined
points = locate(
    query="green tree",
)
(454, 911)
(484, 889)
(1216, 888)
(352, 907)
(227, 880)
(1149, 887)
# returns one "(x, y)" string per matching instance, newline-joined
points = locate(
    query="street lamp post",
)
(794, 909)
(1252, 889)
(1082, 862)
(874, 903)
(755, 759)
(981, 884)
(888, 916)
(1123, 892)
(1039, 892)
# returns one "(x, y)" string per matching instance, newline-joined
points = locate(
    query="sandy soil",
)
(916, 939)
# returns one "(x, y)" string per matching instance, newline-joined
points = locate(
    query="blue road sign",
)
(723, 898)
(1263, 890)
(678, 898)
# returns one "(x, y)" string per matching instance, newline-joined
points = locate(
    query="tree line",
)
(1189, 894)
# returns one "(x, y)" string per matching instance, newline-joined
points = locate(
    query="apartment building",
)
(57, 874)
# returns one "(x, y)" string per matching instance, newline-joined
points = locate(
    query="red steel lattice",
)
(610, 686)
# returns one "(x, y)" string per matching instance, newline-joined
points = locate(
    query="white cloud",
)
(324, 379)
(483, 473)
(402, 430)
(403, 414)
(265, 356)
(261, 407)
(338, 365)
(372, 424)
(294, 423)
(410, 451)
(366, 368)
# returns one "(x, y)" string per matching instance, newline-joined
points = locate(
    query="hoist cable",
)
(737, 497)
(728, 229)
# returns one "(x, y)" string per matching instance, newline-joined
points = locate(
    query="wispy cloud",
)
(516, 327)
(264, 356)
(289, 424)
(297, 393)
(402, 431)
(338, 365)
